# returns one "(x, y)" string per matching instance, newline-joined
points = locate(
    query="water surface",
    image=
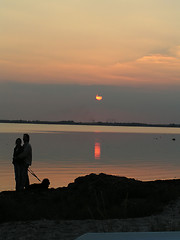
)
(64, 152)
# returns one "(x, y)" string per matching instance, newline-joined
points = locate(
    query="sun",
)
(99, 98)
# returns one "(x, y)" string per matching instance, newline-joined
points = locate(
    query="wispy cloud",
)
(150, 69)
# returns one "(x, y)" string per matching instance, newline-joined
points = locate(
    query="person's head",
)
(26, 138)
(18, 141)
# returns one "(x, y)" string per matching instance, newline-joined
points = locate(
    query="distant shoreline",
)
(70, 122)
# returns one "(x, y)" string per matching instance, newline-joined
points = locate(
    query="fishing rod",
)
(31, 171)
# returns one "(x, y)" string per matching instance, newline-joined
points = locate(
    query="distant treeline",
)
(91, 123)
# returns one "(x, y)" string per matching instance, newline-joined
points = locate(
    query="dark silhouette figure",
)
(18, 164)
(26, 158)
(43, 185)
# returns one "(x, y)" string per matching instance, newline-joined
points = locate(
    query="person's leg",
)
(27, 179)
(24, 176)
(17, 171)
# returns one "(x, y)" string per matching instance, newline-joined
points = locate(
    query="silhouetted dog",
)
(43, 185)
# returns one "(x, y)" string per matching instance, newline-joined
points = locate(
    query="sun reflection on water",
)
(97, 150)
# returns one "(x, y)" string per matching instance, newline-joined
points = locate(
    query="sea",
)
(64, 152)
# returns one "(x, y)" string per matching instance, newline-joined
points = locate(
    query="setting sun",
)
(99, 98)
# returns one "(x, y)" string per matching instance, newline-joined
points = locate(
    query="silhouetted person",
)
(26, 156)
(18, 164)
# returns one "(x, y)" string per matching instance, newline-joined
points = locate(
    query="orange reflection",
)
(97, 150)
(61, 174)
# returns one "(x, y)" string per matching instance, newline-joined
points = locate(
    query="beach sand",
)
(168, 220)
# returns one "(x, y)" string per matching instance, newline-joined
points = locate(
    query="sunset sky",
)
(56, 56)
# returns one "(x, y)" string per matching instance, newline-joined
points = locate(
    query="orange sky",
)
(90, 42)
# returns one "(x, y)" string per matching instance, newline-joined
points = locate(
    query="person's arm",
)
(26, 155)
(14, 157)
(25, 152)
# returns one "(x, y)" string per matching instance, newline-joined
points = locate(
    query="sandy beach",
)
(168, 220)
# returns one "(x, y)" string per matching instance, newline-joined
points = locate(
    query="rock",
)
(92, 196)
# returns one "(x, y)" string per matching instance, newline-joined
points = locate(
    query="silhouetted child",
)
(18, 164)
(17, 150)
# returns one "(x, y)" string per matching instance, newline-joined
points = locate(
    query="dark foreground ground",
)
(90, 197)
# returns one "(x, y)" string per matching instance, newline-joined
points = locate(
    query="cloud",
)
(152, 69)
(175, 51)
(158, 59)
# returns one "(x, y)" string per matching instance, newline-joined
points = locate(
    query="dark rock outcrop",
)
(91, 197)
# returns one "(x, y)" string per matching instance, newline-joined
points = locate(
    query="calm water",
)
(62, 153)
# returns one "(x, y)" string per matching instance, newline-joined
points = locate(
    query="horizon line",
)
(102, 123)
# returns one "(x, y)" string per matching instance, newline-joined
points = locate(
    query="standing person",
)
(18, 163)
(26, 156)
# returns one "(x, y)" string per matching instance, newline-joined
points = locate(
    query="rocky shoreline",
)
(168, 220)
(90, 197)
(93, 203)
